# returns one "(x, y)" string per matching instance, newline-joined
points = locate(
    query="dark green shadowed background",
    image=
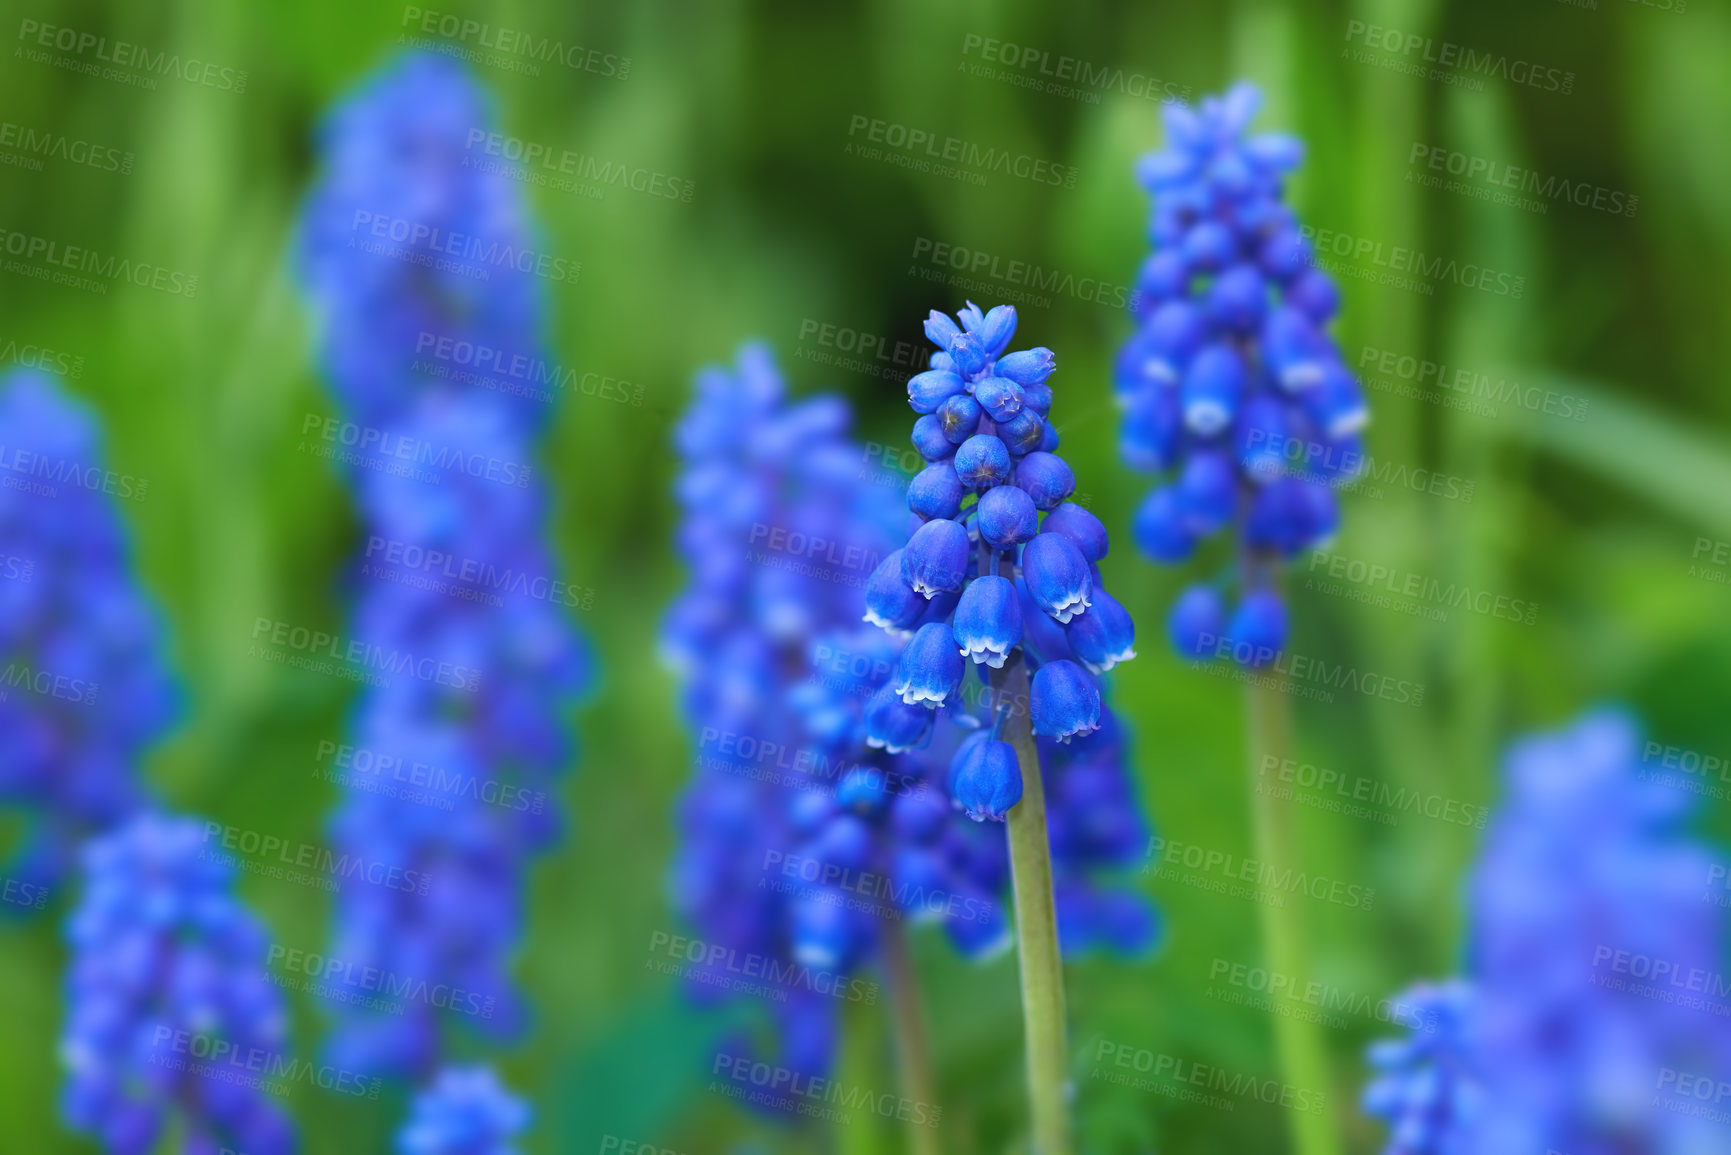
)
(791, 228)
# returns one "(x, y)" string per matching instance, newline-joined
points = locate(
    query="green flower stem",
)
(1303, 1057)
(1036, 927)
(913, 1045)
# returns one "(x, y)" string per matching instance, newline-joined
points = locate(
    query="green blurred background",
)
(1594, 520)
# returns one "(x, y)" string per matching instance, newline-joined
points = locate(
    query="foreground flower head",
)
(1001, 561)
(167, 977)
(85, 687)
(1560, 1043)
(1234, 393)
(466, 1111)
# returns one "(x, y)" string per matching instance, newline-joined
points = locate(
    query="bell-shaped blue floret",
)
(1261, 438)
(1257, 631)
(982, 461)
(1238, 298)
(928, 390)
(822, 930)
(1082, 528)
(930, 669)
(988, 623)
(1153, 430)
(1105, 635)
(988, 781)
(1047, 478)
(1159, 527)
(1006, 516)
(1057, 575)
(1293, 350)
(893, 725)
(1209, 245)
(935, 559)
(1164, 275)
(1207, 492)
(1064, 702)
(936, 491)
(1337, 403)
(862, 790)
(1212, 389)
(1314, 293)
(891, 602)
(1196, 622)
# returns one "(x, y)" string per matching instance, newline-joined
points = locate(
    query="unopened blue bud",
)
(982, 461)
(1006, 516)
(1047, 478)
(928, 390)
(961, 417)
(1159, 527)
(936, 491)
(1197, 621)
(1258, 628)
(1085, 530)
(1027, 367)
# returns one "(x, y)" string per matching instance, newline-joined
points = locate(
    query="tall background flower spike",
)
(1585, 1021)
(1006, 566)
(496, 660)
(465, 1111)
(171, 1012)
(783, 520)
(87, 687)
(1237, 399)
(1234, 394)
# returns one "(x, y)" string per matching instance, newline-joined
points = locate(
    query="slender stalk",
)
(1303, 1057)
(913, 1044)
(1036, 928)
